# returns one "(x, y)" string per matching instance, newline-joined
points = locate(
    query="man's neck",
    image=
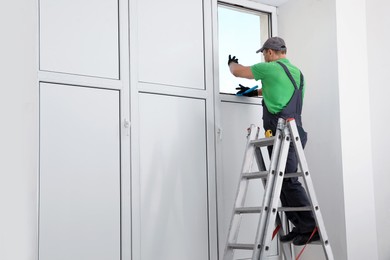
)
(278, 57)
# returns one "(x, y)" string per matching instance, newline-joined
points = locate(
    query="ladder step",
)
(264, 174)
(241, 246)
(292, 175)
(307, 208)
(263, 141)
(249, 210)
(255, 175)
(315, 243)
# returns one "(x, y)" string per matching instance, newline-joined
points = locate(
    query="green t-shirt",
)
(277, 87)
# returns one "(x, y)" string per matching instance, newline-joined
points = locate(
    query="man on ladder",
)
(282, 91)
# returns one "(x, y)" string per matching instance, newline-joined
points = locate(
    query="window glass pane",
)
(241, 33)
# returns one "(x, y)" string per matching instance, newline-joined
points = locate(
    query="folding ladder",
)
(272, 177)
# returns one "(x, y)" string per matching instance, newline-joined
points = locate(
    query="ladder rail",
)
(240, 194)
(267, 196)
(286, 248)
(275, 196)
(310, 188)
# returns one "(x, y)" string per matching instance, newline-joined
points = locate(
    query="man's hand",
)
(242, 89)
(232, 59)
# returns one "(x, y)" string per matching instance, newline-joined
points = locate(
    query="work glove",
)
(242, 91)
(232, 59)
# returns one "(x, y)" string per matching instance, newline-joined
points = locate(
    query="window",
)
(241, 32)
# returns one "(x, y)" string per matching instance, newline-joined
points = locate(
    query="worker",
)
(282, 90)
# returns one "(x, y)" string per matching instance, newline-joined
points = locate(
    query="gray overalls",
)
(292, 194)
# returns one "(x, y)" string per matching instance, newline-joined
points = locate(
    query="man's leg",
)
(294, 195)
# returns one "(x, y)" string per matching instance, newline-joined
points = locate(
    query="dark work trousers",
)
(292, 194)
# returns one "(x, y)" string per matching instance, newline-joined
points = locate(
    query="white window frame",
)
(245, 4)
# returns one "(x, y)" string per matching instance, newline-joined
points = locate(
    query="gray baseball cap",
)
(273, 43)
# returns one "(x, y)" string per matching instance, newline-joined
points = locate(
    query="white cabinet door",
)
(170, 41)
(173, 178)
(79, 206)
(80, 37)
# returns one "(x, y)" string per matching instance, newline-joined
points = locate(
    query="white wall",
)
(378, 39)
(355, 129)
(329, 39)
(19, 130)
(309, 28)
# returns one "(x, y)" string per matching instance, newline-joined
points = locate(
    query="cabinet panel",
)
(173, 178)
(170, 41)
(79, 216)
(80, 37)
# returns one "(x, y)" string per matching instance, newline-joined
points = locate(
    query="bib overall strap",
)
(291, 77)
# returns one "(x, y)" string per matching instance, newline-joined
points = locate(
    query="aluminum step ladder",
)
(272, 177)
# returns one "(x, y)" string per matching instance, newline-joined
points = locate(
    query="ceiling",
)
(271, 2)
